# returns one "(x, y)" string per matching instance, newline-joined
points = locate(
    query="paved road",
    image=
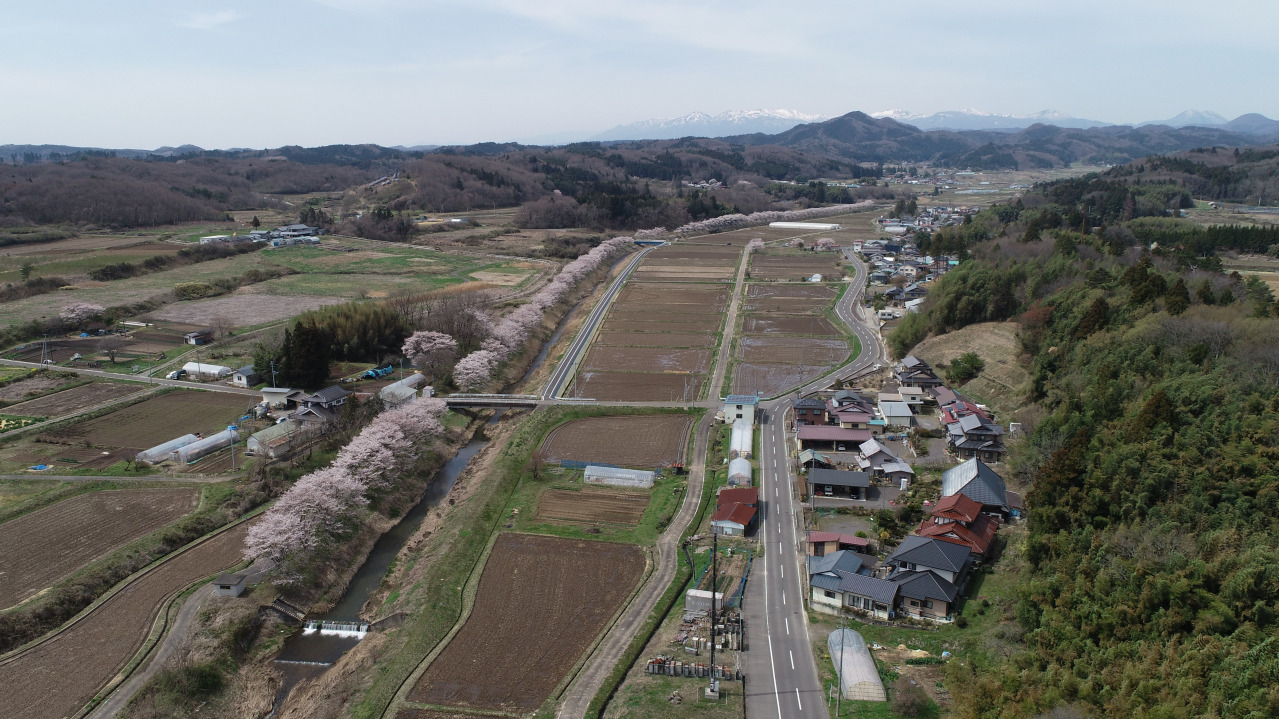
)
(568, 363)
(156, 381)
(782, 673)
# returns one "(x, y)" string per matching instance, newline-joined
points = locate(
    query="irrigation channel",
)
(324, 639)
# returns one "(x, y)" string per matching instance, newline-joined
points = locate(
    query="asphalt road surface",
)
(781, 671)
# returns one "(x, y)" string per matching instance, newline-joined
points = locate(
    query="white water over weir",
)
(355, 630)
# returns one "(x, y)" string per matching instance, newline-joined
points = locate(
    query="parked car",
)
(176, 374)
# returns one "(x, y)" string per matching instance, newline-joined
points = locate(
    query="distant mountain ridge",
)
(700, 124)
(969, 119)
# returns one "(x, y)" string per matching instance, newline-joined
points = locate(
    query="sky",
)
(266, 73)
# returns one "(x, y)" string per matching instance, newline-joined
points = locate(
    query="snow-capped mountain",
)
(701, 124)
(979, 120)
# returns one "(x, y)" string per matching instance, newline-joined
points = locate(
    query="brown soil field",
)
(31, 385)
(85, 457)
(786, 305)
(708, 253)
(40, 548)
(777, 291)
(59, 350)
(161, 419)
(684, 323)
(798, 350)
(73, 400)
(772, 379)
(638, 386)
(649, 441)
(243, 309)
(796, 268)
(654, 339)
(591, 506)
(55, 679)
(541, 602)
(436, 714)
(669, 273)
(782, 324)
(647, 359)
(657, 310)
(665, 294)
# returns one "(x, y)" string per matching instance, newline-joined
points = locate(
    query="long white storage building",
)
(201, 369)
(814, 226)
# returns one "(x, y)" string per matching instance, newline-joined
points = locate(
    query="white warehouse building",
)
(814, 226)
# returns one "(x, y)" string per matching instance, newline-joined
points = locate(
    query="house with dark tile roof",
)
(842, 582)
(979, 482)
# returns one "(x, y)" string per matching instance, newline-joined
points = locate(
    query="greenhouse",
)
(858, 675)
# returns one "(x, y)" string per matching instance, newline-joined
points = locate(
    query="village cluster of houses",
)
(925, 576)
(279, 237)
(302, 415)
(849, 420)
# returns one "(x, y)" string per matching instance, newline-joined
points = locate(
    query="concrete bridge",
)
(492, 400)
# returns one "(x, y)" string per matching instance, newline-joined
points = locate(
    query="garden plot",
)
(29, 386)
(73, 400)
(541, 602)
(56, 678)
(41, 548)
(789, 299)
(645, 441)
(647, 359)
(799, 350)
(767, 324)
(638, 386)
(654, 339)
(160, 419)
(590, 506)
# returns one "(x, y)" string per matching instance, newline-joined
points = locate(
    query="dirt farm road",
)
(600, 664)
(157, 381)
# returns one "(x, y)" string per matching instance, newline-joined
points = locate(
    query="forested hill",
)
(1151, 586)
(1246, 175)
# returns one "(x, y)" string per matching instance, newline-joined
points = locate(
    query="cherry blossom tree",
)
(430, 351)
(755, 245)
(825, 244)
(475, 370)
(77, 313)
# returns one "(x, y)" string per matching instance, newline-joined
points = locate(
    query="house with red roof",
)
(735, 510)
(959, 519)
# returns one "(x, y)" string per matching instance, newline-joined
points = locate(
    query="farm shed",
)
(404, 390)
(201, 369)
(207, 446)
(699, 600)
(618, 477)
(278, 440)
(244, 377)
(201, 337)
(815, 226)
(858, 675)
(743, 439)
(739, 471)
(230, 585)
(278, 397)
(164, 452)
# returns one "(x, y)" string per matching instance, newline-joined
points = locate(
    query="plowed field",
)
(648, 359)
(801, 350)
(638, 386)
(705, 296)
(162, 418)
(592, 506)
(655, 339)
(659, 323)
(540, 604)
(671, 273)
(31, 385)
(55, 679)
(796, 267)
(645, 441)
(789, 299)
(783, 324)
(40, 548)
(772, 379)
(74, 399)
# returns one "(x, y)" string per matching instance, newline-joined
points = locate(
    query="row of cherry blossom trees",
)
(328, 500)
(511, 332)
(724, 223)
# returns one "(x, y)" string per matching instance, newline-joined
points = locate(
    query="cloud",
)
(209, 20)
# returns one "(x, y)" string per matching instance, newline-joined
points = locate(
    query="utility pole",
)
(839, 675)
(273, 384)
(712, 692)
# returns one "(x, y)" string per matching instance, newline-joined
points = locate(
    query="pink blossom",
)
(77, 313)
(755, 245)
(475, 370)
(430, 350)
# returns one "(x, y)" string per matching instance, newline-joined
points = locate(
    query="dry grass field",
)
(653, 339)
(74, 399)
(1004, 381)
(242, 308)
